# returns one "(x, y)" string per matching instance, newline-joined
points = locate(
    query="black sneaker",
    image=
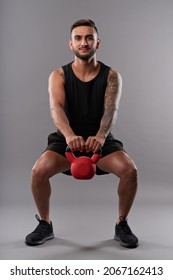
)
(43, 232)
(124, 235)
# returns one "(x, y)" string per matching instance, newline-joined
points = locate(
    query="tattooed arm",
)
(112, 98)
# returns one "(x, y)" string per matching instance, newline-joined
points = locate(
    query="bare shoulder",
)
(114, 76)
(56, 87)
(57, 74)
(114, 82)
(56, 78)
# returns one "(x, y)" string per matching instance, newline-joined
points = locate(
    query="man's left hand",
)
(94, 143)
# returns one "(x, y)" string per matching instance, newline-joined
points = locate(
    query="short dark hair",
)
(83, 22)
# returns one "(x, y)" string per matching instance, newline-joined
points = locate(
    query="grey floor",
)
(83, 215)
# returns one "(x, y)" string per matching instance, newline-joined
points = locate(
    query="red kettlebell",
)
(83, 167)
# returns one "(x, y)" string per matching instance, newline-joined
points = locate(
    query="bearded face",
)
(84, 54)
(84, 42)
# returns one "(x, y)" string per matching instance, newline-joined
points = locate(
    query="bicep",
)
(113, 91)
(56, 90)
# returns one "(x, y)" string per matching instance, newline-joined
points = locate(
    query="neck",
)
(85, 65)
(85, 70)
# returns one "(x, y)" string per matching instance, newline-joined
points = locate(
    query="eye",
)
(77, 38)
(90, 38)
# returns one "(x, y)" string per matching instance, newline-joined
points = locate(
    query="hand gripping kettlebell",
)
(82, 167)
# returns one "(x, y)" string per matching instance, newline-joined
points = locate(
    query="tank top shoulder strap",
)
(104, 71)
(103, 67)
(68, 75)
(67, 70)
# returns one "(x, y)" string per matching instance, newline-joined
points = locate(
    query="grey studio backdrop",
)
(137, 40)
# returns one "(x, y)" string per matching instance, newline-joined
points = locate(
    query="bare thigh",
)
(50, 163)
(117, 163)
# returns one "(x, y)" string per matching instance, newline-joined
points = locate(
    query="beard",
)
(84, 56)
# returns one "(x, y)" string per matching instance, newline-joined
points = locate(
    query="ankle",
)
(42, 218)
(120, 219)
(48, 221)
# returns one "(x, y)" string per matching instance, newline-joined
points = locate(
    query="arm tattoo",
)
(111, 103)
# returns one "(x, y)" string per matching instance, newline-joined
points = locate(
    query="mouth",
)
(84, 49)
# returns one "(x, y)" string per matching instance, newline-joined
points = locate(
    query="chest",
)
(88, 97)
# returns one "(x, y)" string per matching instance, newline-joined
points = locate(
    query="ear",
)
(70, 44)
(98, 44)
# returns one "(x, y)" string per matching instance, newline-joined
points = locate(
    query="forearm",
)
(107, 121)
(94, 143)
(61, 122)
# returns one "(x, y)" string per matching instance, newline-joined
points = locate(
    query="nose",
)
(84, 42)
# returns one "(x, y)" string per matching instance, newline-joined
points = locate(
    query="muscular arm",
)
(111, 104)
(112, 98)
(57, 105)
(57, 102)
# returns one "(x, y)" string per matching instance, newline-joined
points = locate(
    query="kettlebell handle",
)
(98, 152)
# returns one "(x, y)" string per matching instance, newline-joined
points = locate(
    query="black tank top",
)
(85, 100)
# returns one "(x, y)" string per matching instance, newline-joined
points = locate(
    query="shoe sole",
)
(126, 245)
(40, 242)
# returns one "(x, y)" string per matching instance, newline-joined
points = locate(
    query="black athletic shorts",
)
(57, 143)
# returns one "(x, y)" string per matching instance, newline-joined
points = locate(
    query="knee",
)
(133, 172)
(129, 172)
(39, 174)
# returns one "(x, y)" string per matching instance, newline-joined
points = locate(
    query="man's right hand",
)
(75, 143)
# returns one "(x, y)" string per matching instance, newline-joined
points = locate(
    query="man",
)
(84, 100)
